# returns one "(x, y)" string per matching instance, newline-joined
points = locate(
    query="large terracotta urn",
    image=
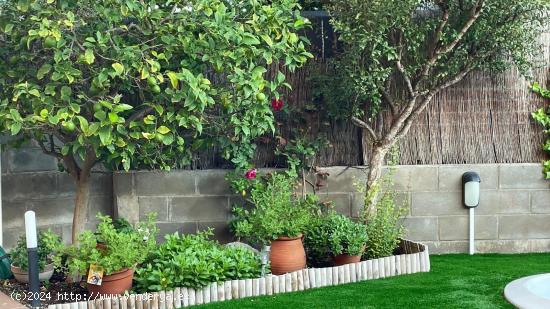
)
(287, 255)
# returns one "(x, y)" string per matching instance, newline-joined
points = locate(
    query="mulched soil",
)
(56, 291)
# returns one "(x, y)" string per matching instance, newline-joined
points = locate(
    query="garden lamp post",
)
(470, 188)
(32, 250)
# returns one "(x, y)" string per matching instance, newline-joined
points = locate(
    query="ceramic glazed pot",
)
(115, 283)
(23, 276)
(343, 259)
(287, 255)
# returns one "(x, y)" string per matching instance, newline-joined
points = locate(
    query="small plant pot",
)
(113, 284)
(343, 259)
(287, 255)
(23, 275)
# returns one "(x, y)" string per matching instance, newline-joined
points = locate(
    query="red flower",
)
(277, 104)
(250, 174)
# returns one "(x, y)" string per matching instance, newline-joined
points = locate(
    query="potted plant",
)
(110, 266)
(337, 236)
(48, 245)
(278, 218)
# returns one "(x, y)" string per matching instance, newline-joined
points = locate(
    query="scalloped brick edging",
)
(416, 259)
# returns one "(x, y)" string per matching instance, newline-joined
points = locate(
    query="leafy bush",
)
(384, 228)
(122, 249)
(194, 261)
(542, 116)
(334, 234)
(277, 210)
(48, 244)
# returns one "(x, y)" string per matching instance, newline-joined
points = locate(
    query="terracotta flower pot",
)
(116, 283)
(23, 275)
(287, 255)
(343, 259)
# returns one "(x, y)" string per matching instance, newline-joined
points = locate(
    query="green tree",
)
(398, 54)
(142, 83)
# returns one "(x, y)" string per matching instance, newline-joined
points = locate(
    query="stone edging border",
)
(415, 259)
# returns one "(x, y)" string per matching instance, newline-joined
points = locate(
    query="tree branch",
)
(408, 82)
(475, 12)
(360, 123)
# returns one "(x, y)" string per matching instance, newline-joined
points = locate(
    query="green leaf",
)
(119, 68)
(105, 135)
(250, 39)
(163, 130)
(90, 58)
(267, 39)
(15, 128)
(83, 123)
(173, 79)
(35, 92)
(113, 117)
(8, 28)
(44, 69)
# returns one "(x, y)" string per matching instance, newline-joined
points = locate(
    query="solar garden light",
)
(470, 188)
(265, 258)
(32, 250)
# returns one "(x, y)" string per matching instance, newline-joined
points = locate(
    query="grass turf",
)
(455, 281)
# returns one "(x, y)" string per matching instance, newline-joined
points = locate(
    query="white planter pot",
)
(23, 276)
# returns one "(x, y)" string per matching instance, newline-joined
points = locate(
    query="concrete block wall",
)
(513, 216)
(31, 181)
(185, 201)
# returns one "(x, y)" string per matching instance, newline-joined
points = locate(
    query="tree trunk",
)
(80, 206)
(375, 164)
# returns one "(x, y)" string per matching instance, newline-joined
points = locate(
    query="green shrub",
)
(384, 228)
(277, 210)
(122, 248)
(332, 234)
(49, 244)
(194, 261)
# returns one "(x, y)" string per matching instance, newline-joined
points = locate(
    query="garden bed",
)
(414, 258)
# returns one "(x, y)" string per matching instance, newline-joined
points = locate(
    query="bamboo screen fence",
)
(484, 119)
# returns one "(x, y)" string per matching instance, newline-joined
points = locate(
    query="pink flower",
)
(277, 104)
(250, 174)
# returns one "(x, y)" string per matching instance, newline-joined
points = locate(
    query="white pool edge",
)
(517, 293)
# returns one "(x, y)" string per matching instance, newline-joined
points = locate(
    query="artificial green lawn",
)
(455, 281)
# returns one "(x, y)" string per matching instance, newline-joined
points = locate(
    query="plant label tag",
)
(95, 275)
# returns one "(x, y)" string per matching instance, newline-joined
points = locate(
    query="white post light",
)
(32, 250)
(470, 187)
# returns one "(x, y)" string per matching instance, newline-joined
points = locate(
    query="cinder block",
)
(13, 214)
(29, 186)
(171, 228)
(524, 227)
(437, 203)
(103, 204)
(127, 207)
(402, 199)
(503, 202)
(123, 183)
(165, 183)
(450, 176)
(415, 178)
(457, 227)
(221, 231)
(522, 176)
(424, 228)
(343, 178)
(53, 211)
(100, 184)
(10, 237)
(149, 204)
(340, 202)
(540, 202)
(212, 182)
(214, 208)
(30, 160)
